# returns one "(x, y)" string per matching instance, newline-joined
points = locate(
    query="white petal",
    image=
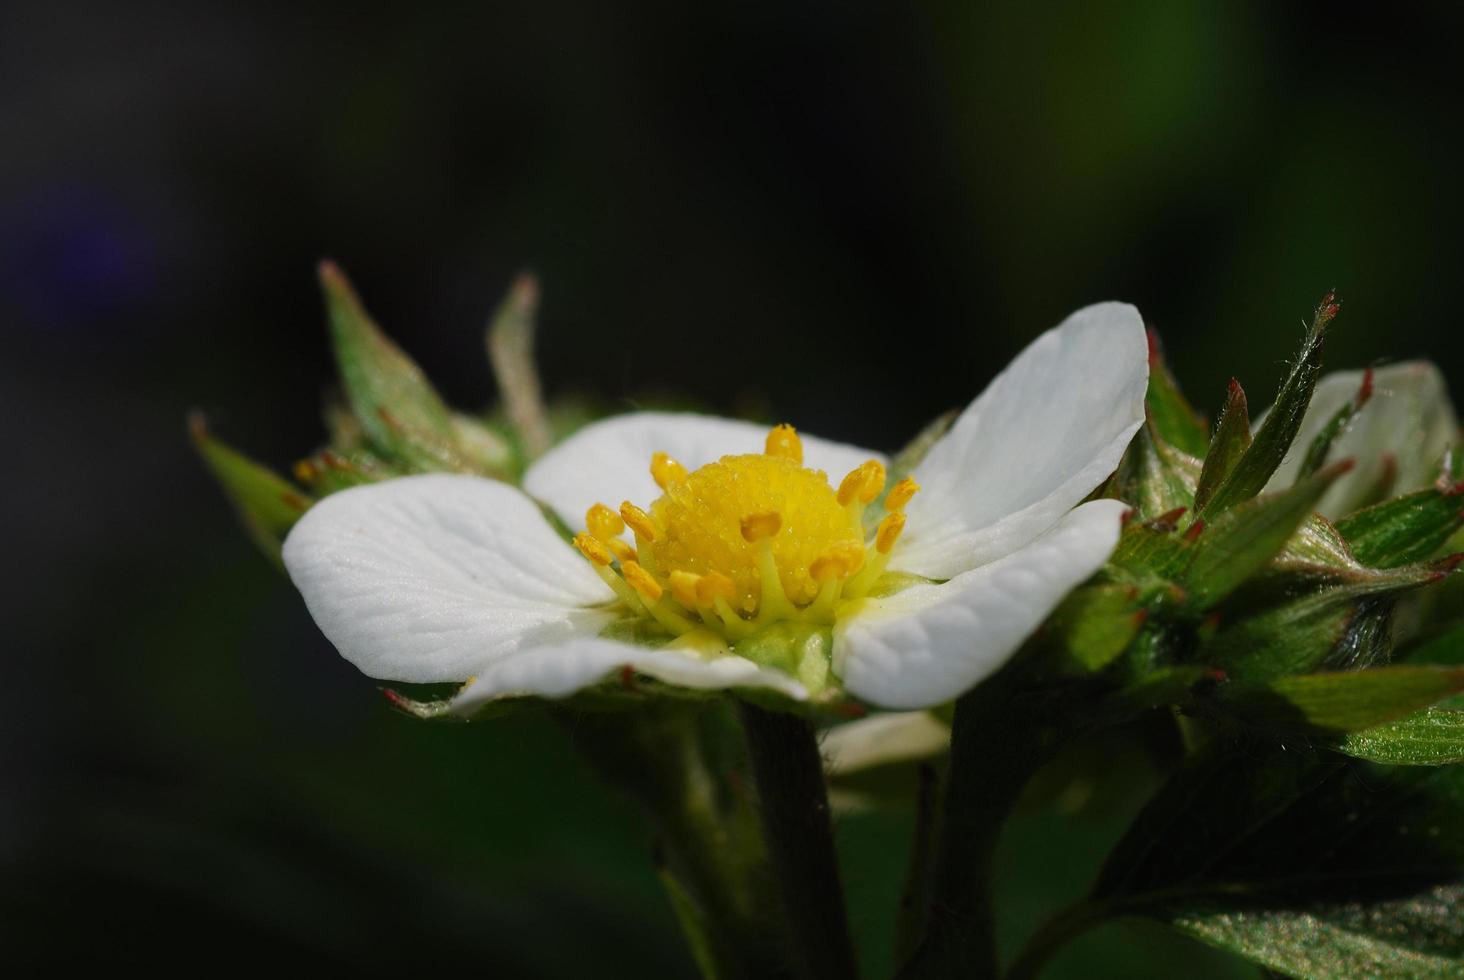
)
(430, 578)
(1049, 429)
(610, 461)
(560, 670)
(1409, 416)
(882, 739)
(930, 643)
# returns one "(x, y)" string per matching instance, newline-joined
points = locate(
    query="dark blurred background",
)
(845, 215)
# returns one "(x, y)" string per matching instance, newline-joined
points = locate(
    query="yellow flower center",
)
(747, 541)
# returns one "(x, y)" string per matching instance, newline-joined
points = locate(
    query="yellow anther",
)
(900, 494)
(305, 471)
(604, 523)
(641, 580)
(874, 481)
(758, 527)
(683, 587)
(666, 471)
(783, 442)
(640, 522)
(713, 586)
(840, 561)
(621, 550)
(889, 532)
(863, 483)
(593, 549)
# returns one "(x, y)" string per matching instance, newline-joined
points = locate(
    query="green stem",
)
(996, 744)
(656, 756)
(915, 896)
(795, 816)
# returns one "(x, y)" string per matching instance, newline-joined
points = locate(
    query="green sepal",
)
(1316, 453)
(1341, 701)
(1340, 626)
(392, 400)
(693, 922)
(1153, 476)
(1431, 737)
(267, 503)
(1405, 529)
(1271, 444)
(510, 344)
(1095, 624)
(1170, 412)
(1232, 438)
(1241, 540)
(328, 471)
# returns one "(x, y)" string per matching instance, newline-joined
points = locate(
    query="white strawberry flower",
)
(747, 567)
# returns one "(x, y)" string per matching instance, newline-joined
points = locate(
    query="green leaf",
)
(1316, 453)
(1169, 411)
(1278, 432)
(1244, 538)
(1342, 701)
(1305, 864)
(390, 397)
(1432, 737)
(267, 504)
(1232, 438)
(1405, 529)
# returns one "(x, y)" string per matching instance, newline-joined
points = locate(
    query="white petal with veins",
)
(432, 578)
(929, 643)
(1048, 429)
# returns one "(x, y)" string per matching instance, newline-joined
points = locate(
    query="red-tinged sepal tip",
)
(1444, 567)
(627, 677)
(1156, 349)
(1140, 617)
(1235, 390)
(1169, 520)
(1127, 516)
(425, 710)
(850, 709)
(1217, 675)
(1365, 392)
(1195, 530)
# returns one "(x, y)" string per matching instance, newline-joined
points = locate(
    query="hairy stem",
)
(795, 817)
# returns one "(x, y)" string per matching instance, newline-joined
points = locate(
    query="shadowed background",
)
(842, 216)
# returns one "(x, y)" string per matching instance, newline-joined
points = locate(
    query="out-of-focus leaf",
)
(1342, 701)
(483, 446)
(392, 400)
(1244, 538)
(1432, 737)
(1316, 453)
(1232, 438)
(1154, 477)
(693, 922)
(1096, 623)
(267, 504)
(1169, 412)
(1278, 431)
(1304, 864)
(1405, 529)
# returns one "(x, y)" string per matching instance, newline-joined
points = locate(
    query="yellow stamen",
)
(640, 522)
(713, 586)
(760, 527)
(684, 588)
(900, 494)
(642, 581)
(863, 483)
(593, 549)
(840, 561)
(604, 523)
(666, 471)
(784, 443)
(622, 551)
(889, 532)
